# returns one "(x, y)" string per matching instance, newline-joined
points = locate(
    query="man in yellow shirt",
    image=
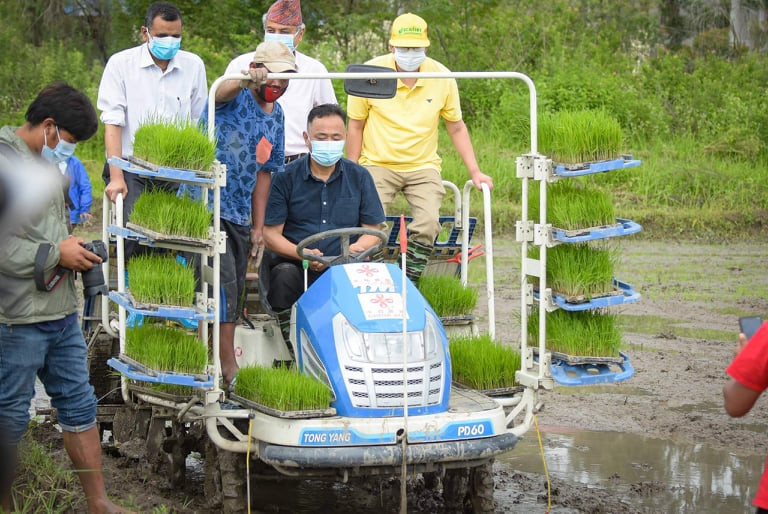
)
(396, 139)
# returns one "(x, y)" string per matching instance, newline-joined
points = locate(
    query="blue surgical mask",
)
(327, 153)
(409, 59)
(63, 150)
(164, 48)
(286, 39)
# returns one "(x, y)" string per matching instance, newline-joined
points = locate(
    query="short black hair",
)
(165, 10)
(70, 108)
(323, 110)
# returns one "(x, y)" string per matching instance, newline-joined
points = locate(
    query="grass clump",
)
(580, 136)
(447, 296)
(161, 279)
(578, 333)
(281, 389)
(164, 212)
(579, 270)
(166, 348)
(482, 363)
(42, 483)
(176, 144)
(573, 205)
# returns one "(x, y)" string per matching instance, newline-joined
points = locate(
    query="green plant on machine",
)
(164, 212)
(282, 389)
(166, 348)
(579, 333)
(580, 136)
(447, 296)
(579, 270)
(572, 204)
(482, 363)
(161, 279)
(176, 144)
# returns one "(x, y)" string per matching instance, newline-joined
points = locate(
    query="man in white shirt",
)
(283, 23)
(152, 80)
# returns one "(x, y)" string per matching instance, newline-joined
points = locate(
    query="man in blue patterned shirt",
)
(250, 135)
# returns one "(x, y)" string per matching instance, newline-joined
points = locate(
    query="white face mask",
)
(409, 59)
(286, 39)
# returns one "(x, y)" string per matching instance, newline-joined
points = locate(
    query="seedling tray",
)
(291, 414)
(622, 294)
(175, 398)
(127, 301)
(137, 371)
(575, 360)
(589, 168)
(622, 227)
(150, 170)
(167, 238)
(591, 373)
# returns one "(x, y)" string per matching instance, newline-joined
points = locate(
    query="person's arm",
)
(259, 206)
(738, 399)
(460, 138)
(113, 143)
(365, 241)
(355, 139)
(231, 88)
(85, 192)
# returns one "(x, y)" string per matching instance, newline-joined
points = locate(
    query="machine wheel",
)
(225, 479)
(480, 489)
(455, 484)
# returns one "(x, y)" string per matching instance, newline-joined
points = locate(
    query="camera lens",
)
(93, 279)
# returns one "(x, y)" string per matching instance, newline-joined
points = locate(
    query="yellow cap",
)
(409, 31)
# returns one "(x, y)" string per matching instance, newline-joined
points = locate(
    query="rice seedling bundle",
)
(166, 348)
(164, 212)
(175, 144)
(481, 363)
(579, 270)
(161, 279)
(282, 389)
(579, 333)
(572, 205)
(447, 295)
(580, 136)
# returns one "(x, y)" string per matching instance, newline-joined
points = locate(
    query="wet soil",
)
(679, 337)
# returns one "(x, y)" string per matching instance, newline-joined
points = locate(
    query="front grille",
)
(382, 387)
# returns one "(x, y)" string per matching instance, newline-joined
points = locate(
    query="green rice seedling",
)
(176, 144)
(482, 363)
(579, 270)
(579, 136)
(573, 205)
(164, 212)
(166, 348)
(578, 333)
(447, 296)
(160, 279)
(282, 389)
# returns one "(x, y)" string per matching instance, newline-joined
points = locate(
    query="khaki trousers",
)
(424, 191)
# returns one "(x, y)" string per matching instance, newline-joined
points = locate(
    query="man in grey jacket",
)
(39, 332)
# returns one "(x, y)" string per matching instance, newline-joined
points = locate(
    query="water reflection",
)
(669, 476)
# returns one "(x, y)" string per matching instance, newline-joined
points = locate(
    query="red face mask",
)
(270, 94)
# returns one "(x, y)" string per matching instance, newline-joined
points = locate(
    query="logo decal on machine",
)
(350, 437)
(370, 277)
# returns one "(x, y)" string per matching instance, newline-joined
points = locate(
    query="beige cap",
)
(275, 56)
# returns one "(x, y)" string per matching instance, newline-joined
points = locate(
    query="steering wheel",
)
(344, 234)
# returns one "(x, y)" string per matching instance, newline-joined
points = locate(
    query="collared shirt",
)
(300, 97)
(134, 88)
(305, 205)
(401, 133)
(241, 125)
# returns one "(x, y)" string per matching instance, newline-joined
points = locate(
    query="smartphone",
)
(749, 325)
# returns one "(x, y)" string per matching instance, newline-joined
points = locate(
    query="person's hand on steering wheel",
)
(315, 266)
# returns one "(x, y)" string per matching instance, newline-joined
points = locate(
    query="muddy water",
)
(652, 475)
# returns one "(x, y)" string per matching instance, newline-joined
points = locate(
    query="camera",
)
(93, 279)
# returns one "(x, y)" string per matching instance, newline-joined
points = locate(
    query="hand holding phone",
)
(749, 325)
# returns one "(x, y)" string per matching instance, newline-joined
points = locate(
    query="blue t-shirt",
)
(241, 125)
(305, 205)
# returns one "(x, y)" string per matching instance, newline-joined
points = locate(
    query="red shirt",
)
(750, 369)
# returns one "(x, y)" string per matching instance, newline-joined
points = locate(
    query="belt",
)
(291, 158)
